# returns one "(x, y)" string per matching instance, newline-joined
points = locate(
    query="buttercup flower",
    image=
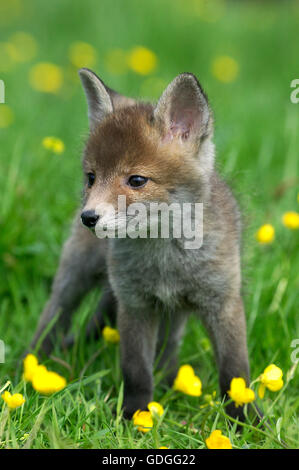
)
(217, 441)
(187, 382)
(82, 54)
(265, 234)
(47, 382)
(163, 447)
(142, 60)
(46, 77)
(13, 401)
(54, 144)
(42, 380)
(30, 365)
(225, 69)
(144, 420)
(271, 379)
(111, 335)
(239, 393)
(6, 116)
(291, 220)
(155, 408)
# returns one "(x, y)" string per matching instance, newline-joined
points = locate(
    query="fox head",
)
(145, 153)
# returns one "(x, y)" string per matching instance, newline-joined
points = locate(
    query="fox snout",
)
(89, 218)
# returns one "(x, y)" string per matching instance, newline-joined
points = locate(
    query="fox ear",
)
(183, 111)
(98, 100)
(101, 100)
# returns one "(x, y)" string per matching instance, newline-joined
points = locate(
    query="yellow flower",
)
(30, 366)
(144, 420)
(218, 441)
(291, 220)
(142, 60)
(116, 61)
(82, 54)
(111, 335)
(6, 116)
(155, 408)
(163, 447)
(225, 69)
(13, 401)
(47, 382)
(239, 393)
(54, 144)
(265, 234)
(42, 380)
(46, 77)
(187, 382)
(271, 379)
(24, 47)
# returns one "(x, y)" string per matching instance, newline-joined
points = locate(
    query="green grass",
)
(257, 139)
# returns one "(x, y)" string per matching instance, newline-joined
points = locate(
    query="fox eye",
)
(137, 181)
(90, 179)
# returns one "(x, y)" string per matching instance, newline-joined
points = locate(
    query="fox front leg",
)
(138, 335)
(228, 333)
(82, 263)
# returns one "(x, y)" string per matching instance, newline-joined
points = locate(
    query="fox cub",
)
(153, 153)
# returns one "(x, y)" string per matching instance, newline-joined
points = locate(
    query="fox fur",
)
(151, 285)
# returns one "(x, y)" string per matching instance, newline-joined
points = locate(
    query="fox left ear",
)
(183, 111)
(98, 100)
(101, 100)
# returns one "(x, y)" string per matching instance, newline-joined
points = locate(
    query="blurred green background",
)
(245, 55)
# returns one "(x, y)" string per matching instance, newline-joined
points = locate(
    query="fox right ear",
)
(182, 111)
(98, 99)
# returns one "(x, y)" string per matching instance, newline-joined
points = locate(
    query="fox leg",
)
(170, 334)
(228, 333)
(82, 263)
(138, 335)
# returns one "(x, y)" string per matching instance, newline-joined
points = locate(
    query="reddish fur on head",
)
(160, 143)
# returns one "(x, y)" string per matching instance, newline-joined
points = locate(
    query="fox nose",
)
(89, 218)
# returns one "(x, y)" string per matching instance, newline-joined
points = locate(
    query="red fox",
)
(161, 153)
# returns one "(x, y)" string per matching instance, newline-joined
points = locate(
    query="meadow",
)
(245, 56)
